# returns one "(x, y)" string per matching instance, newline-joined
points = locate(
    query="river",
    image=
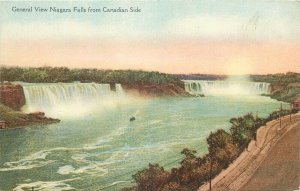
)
(96, 147)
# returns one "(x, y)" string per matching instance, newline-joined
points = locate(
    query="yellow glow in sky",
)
(238, 66)
(255, 37)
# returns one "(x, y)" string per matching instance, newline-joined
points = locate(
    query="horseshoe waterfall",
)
(226, 87)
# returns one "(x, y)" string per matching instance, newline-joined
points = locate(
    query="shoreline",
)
(31, 124)
(243, 168)
(17, 119)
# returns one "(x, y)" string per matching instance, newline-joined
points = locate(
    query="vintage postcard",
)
(150, 95)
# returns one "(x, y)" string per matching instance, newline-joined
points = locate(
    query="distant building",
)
(2, 124)
(296, 104)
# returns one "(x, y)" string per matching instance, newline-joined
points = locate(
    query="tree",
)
(152, 179)
(222, 148)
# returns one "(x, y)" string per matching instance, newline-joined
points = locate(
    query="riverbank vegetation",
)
(18, 119)
(277, 79)
(223, 148)
(64, 74)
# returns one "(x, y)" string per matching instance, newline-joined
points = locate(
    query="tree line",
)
(277, 79)
(64, 74)
(223, 148)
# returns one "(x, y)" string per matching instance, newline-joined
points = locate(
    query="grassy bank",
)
(18, 119)
(223, 148)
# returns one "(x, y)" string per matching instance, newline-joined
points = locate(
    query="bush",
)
(174, 186)
(151, 179)
(224, 147)
(279, 113)
(192, 170)
(243, 129)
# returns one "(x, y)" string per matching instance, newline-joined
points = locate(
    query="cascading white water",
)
(197, 87)
(69, 99)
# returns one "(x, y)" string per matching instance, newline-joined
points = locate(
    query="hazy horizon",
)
(213, 74)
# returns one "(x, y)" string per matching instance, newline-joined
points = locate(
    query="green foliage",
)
(11, 116)
(63, 74)
(277, 79)
(279, 113)
(17, 118)
(224, 147)
(151, 179)
(243, 129)
(174, 186)
(190, 174)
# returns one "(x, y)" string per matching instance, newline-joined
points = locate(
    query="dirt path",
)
(280, 170)
(241, 171)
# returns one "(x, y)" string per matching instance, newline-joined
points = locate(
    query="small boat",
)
(132, 118)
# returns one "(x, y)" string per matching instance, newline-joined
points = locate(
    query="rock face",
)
(286, 93)
(157, 90)
(276, 88)
(12, 96)
(36, 118)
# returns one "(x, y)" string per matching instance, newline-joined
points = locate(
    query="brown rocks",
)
(37, 114)
(39, 117)
(157, 90)
(276, 88)
(12, 96)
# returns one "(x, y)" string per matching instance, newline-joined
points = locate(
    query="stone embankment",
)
(243, 168)
(280, 170)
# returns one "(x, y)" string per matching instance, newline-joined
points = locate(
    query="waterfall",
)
(61, 99)
(197, 87)
(119, 89)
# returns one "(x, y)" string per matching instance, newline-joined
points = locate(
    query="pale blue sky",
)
(272, 19)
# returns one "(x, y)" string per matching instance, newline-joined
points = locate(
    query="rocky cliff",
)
(156, 90)
(286, 93)
(12, 96)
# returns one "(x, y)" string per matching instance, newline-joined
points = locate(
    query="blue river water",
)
(102, 149)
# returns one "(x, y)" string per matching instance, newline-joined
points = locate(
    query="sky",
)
(214, 37)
